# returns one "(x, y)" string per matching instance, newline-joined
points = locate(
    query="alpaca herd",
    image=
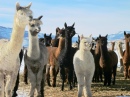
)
(82, 63)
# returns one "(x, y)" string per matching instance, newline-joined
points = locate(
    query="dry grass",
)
(122, 87)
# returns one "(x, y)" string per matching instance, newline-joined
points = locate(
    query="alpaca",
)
(9, 50)
(36, 57)
(120, 53)
(65, 58)
(52, 68)
(46, 40)
(84, 66)
(126, 56)
(98, 71)
(108, 61)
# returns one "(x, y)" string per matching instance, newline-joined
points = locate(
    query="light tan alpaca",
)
(9, 50)
(120, 53)
(112, 46)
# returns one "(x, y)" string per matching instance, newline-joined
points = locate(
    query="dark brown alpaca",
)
(98, 70)
(126, 56)
(108, 61)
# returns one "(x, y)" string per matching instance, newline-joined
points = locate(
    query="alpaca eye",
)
(32, 25)
(21, 13)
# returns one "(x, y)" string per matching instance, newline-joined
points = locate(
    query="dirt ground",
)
(122, 87)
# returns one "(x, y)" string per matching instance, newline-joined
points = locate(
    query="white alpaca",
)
(36, 58)
(9, 50)
(84, 66)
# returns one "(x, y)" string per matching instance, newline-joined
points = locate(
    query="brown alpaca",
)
(97, 54)
(126, 56)
(53, 67)
(108, 61)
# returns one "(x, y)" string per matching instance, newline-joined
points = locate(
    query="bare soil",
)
(121, 89)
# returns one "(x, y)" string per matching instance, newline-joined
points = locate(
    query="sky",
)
(90, 16)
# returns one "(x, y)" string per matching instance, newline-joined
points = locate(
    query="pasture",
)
(122, 87)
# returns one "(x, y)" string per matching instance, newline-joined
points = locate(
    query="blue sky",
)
(90, 16)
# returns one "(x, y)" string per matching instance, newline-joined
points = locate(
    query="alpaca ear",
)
(39, 17)
(81, 37)
(106, 35)
(29, 5)
(124, 32)
(50, 34)
(65, 25)
(90, 36)
(17, 6)
(73, 24)
(45, 35)
(99, 36)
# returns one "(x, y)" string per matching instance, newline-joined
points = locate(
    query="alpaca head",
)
(69, 30)
(47, 39)
(103, 40)
(60, 32)
(127, 36)
(34, 26)
(85, 42)
(23, 14)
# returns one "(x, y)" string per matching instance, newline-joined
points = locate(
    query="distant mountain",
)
(6, 33)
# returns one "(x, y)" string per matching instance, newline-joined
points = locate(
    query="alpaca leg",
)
(129, 72)
(2, 85)
(87, 88)
(80, 79)
(38, 81)
(125, 71)
(114, 74)
(62, 74)
(32, 79)
(105, 78)
(109, 76)
(10, 83)
(16, 86)
(53, 74)
(25, 74)
(70, 78)
(48, 74)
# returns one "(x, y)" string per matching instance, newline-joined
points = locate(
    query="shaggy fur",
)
(9, 51)
(126, 56)
(84, 66)
(65, 57)
(36, 57)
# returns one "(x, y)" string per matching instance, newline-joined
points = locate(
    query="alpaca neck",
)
(61, 44)
(16, 39)
(127, 48)
(68, 45)
(33, 49)
(120, 50)
(112, 47)
(104, 52)
(97, 50)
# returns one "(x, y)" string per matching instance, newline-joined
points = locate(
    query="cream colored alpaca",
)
(9, 51)
(84, 66)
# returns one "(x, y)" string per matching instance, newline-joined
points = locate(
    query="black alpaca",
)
(17, 81)
(65, 59)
